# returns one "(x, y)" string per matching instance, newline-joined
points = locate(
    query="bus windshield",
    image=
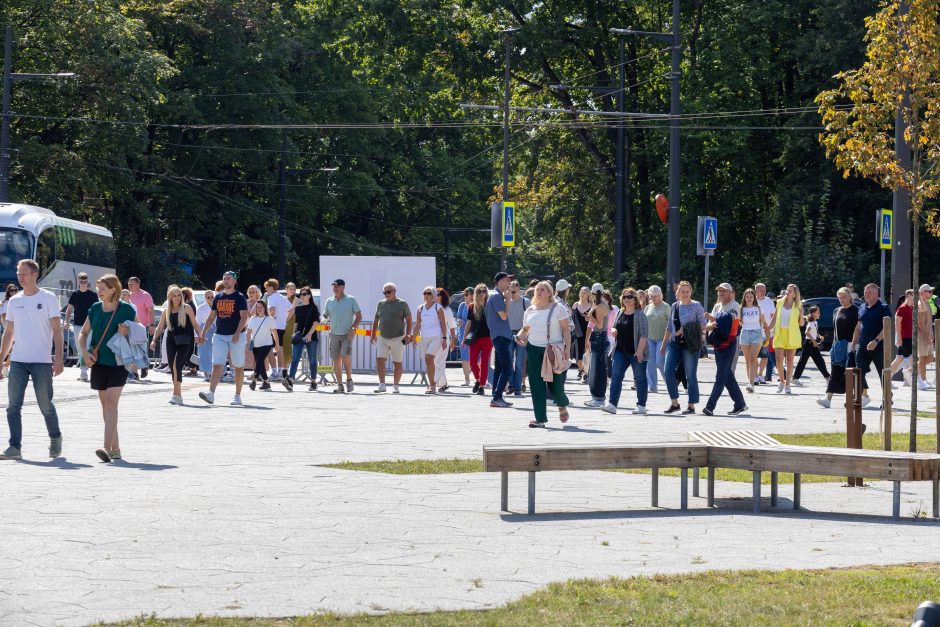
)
(15, 244)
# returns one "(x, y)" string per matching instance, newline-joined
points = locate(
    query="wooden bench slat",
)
(545, 458)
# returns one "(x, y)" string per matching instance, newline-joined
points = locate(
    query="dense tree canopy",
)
(172, 133)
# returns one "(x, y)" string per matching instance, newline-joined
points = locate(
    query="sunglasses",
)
(83, 280)
(305, 293)
(429, 293)
(387, 292)
(629, 297)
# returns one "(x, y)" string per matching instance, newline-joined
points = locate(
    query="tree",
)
(901, 74)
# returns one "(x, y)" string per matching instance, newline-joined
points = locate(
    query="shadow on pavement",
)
(120, 463)
(59, 462)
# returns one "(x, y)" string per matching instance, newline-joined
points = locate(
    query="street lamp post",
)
(672, 246)
(8, 79)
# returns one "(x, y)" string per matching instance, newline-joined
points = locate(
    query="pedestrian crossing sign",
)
(885, 229)
(710, 234)
(509, 224)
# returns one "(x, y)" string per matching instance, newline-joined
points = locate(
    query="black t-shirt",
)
(306, 316)
(228, 308)
(624, 326)
(81, 302)
(846, 321)
(480, 327)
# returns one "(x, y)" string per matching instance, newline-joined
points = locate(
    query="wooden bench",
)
(740, 438)
(894, 466)
(533, 459)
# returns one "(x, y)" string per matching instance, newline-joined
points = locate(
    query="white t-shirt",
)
(812, 329)
(767, 308)
(785, 317)
(430, 325)
(449, 319)
(261, 328)
(32, 333)
(750, 319)
(202, 314)
(538, 323)
(282, 308)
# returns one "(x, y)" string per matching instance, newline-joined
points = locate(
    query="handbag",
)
(94, 351)
(471, 335)
(839, 353)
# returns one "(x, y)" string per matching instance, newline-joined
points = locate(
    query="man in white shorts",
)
(391, 332)
(283, 310)
(230, 314)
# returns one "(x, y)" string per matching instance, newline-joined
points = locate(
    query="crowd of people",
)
(532, 336)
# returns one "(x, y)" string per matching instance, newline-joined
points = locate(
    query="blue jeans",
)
(518, 367)
(205, 352)
(690, 360)
(502, 369)
(771, 364)
(654, 363)
(297, 353)
(20, 373)
(597, 377)
(619, 369)
(724, 378)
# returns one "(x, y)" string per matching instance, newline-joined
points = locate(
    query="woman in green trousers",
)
(545, 324)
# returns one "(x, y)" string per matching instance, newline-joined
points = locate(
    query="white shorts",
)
(430, 345)
(385, 346)
(223, 347)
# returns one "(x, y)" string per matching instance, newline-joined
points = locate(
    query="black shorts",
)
(907, 347)
(280, 336)
(106, 377)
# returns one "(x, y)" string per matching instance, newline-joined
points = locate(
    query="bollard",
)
(853, 415)
(886, 426)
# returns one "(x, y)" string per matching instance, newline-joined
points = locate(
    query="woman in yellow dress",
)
(787, 320)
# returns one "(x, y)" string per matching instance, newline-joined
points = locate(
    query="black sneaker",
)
(708, 412)
(288, 383)
(738, 410)
(672, 409)
(688, 410)
(252, 385)
(265, 386)
(481, 391)
(476, 387)
(312, 388)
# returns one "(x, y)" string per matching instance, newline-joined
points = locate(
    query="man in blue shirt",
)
(497, 319)
(868, 338)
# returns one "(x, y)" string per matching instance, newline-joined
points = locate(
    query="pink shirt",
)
(143, 302)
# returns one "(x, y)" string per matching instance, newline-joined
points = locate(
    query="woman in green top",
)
(108, 378)
(657, 314)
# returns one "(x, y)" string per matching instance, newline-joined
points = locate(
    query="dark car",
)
(827, 306)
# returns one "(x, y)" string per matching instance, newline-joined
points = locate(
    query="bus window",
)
(14, 245)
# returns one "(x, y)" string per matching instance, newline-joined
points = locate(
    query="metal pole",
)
(502, 252)
(705, 294)
(887, 334)
(5, 131)
(618, 222)
(936, 357)
(672, 255)
(447, 247)
(883, 271)
(282, 212)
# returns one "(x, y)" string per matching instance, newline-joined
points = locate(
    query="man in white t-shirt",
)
(34, 327)
(283, 310)
(767, 309)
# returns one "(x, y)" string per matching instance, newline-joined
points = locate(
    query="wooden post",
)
(853, 415)
(886, 426)
(936, 372)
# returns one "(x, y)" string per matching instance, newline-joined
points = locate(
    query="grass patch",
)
(852, 596)
(414, 466)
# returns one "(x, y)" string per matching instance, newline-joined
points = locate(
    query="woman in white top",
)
(752, 335)
(545, 323)
(205, 349)
(440, 359)
(432, 329)
(262, 337)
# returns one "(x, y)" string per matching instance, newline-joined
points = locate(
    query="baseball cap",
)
(562, 285)
(231, 273)
(502, 275)
(597, 287)
(725, 286)
(925, 288)
(339, 282)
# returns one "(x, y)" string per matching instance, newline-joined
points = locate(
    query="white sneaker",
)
(208, 397)
(786, 390)
(236, 401)
(866, 401)
(824, 402)
(750, 388)
(894, 385)
(609, 408)
(274, 377)
(797, 383)
(380, 388)
(176, 400)
(395, 390)
(593, 403)
(639, 409)
(465, 384)
(779, 388)
(907, 376)
(922, 385)
(760, 381)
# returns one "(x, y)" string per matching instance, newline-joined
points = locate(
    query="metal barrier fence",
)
(363, 352)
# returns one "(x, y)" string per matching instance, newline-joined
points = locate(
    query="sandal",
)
(430, 390)
(563, 414)
(535, 424)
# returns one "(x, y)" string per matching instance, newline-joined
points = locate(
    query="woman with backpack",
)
(545, 328)
(683, 343)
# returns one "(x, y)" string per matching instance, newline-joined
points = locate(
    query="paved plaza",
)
(227, 511)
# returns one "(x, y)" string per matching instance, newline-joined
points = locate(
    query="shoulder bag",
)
(94, 351)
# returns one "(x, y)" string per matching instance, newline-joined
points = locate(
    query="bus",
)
(60, 246)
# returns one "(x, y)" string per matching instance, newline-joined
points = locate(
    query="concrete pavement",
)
(227, 511)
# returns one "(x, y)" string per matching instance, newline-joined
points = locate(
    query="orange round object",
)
(662, 208)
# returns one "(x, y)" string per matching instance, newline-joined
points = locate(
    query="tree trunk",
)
(917, 202)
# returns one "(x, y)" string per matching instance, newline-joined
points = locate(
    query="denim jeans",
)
(597, 377)
(205, 352)
(690, 361)
(654, 363)
(20, 372)
(724, 378)
(518, 367)
(619, 368)
(298, 353)
(502, 366)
